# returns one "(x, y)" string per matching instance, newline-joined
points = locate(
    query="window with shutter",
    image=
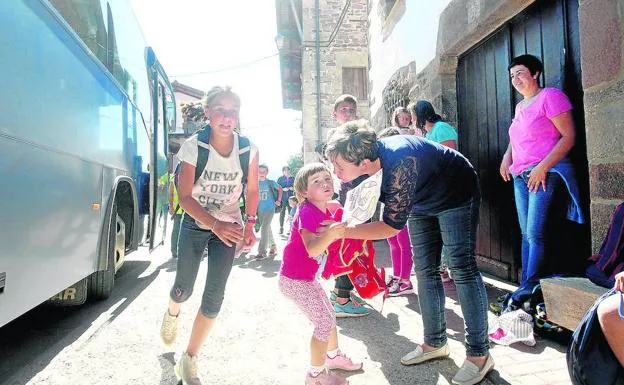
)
(355, 81)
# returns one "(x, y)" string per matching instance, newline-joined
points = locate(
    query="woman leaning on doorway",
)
(541, 135)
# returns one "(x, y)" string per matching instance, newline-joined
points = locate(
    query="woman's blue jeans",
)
(456, 229)
(534, 209)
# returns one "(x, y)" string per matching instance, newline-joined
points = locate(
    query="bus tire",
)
(100, 285)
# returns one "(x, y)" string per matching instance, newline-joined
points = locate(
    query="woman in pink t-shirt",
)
(302, 258)
(540, 136)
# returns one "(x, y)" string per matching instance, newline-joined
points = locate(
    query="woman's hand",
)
(619, 282)
(504, 167)
(324, 227)
(337, 230)
(537, 177)
(229, 233)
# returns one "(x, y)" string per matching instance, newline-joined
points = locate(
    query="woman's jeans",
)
(456, 229)
(191, 244)
(534, 208)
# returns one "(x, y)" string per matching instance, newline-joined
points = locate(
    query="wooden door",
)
(486, 100)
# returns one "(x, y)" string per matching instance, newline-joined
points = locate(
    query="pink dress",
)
(297, 274)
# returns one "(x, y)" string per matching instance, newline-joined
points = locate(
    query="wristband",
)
(251, 218)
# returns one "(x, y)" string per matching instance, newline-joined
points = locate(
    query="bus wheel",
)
(100, 285)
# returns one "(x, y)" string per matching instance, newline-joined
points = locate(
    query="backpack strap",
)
(244, 152)
(203, 150)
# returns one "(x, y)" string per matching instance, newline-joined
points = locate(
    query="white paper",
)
(361, 202)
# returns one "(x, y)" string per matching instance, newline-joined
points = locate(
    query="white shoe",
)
(169, 328)
(470, 374)
(418, 355)
(186, 370)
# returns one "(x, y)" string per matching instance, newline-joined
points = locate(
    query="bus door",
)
(159, 172)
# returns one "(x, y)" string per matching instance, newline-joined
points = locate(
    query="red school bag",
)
(366, 278)
(356, 258)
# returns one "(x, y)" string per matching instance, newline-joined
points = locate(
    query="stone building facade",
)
(340, 49)
(183, 129)
(400, 72)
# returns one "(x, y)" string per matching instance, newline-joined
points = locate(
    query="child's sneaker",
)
(357, 300)
(260, 256)
(325, 378)
(391, 280)
(186, 370)
(400, 288)
(445, 276)
(350, 309)
(169, 328)
(342, 362)
(273, 251)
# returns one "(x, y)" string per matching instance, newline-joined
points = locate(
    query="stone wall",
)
(467, 22)
(343, 43)
(601, 26)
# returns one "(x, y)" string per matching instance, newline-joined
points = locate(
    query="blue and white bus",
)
(85, 108)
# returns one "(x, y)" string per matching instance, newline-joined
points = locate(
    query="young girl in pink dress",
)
(302, 257)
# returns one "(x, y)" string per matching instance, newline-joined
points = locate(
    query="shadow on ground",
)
(46, 330)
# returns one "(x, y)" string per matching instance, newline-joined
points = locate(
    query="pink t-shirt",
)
(296, 262)
(532, 133)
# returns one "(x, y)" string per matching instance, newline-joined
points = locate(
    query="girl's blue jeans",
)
(191, 244)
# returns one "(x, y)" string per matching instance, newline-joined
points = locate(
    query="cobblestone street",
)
(260, 338)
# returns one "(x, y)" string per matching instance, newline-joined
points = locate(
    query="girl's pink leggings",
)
(401, 252)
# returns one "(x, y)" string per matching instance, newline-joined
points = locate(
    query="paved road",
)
(260, 337)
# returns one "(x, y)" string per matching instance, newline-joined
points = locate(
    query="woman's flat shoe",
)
(418, 355)
(470, 374)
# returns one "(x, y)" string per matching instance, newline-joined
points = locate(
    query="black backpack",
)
(590, 359)
(203, 139)
(203, 151)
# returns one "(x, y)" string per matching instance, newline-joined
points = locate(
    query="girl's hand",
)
(619, 282)
(504, 168)
(250, 236)
(537, 177)
(229, 233)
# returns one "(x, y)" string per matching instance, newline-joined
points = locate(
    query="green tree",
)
(295, 162)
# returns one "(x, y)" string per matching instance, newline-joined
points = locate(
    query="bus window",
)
(87, 20)
(128, 55)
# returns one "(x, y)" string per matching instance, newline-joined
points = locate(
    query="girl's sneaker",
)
(445, 276)
(342, 362)
(325, 378)
(186, 370)
(169, 328)
(392, 279)
(400, 288)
